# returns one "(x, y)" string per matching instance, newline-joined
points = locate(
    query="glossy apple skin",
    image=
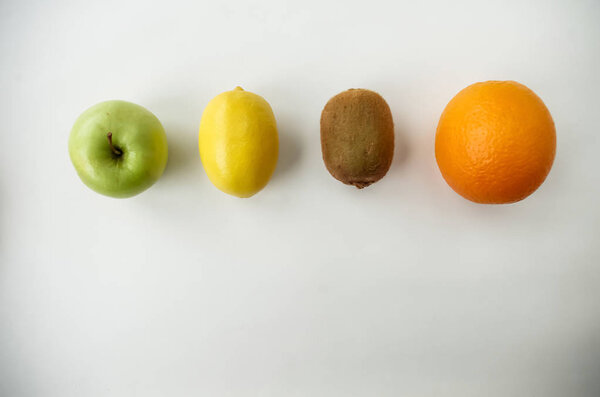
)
(136, 132)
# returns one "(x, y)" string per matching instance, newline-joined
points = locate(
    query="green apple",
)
(118, 148)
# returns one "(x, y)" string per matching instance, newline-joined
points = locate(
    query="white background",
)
(310, 288)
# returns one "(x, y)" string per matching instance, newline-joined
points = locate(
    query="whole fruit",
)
(238, 142)
(357, 137)
(495, 142)
(118, 148)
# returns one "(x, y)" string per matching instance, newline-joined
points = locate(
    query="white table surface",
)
(310, 288)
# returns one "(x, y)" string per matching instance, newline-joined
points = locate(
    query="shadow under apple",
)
(183, 151)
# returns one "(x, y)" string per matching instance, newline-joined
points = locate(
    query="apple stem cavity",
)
(114, 149)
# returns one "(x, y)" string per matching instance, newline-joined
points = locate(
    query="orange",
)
(495, 142)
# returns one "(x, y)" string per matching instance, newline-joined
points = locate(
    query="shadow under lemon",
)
(290, 147)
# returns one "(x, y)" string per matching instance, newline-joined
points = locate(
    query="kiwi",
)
(357, 137)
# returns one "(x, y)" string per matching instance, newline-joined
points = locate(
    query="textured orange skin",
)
(495, 142)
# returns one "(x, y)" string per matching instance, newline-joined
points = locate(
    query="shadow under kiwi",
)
(401, 146)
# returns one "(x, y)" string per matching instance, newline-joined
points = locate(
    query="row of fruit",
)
(495, 142)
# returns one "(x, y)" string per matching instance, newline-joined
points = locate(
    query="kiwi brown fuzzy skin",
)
(357, 137)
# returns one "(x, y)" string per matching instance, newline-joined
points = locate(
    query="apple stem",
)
(114, 149)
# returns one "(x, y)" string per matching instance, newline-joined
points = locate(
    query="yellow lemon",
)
(238, 142)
